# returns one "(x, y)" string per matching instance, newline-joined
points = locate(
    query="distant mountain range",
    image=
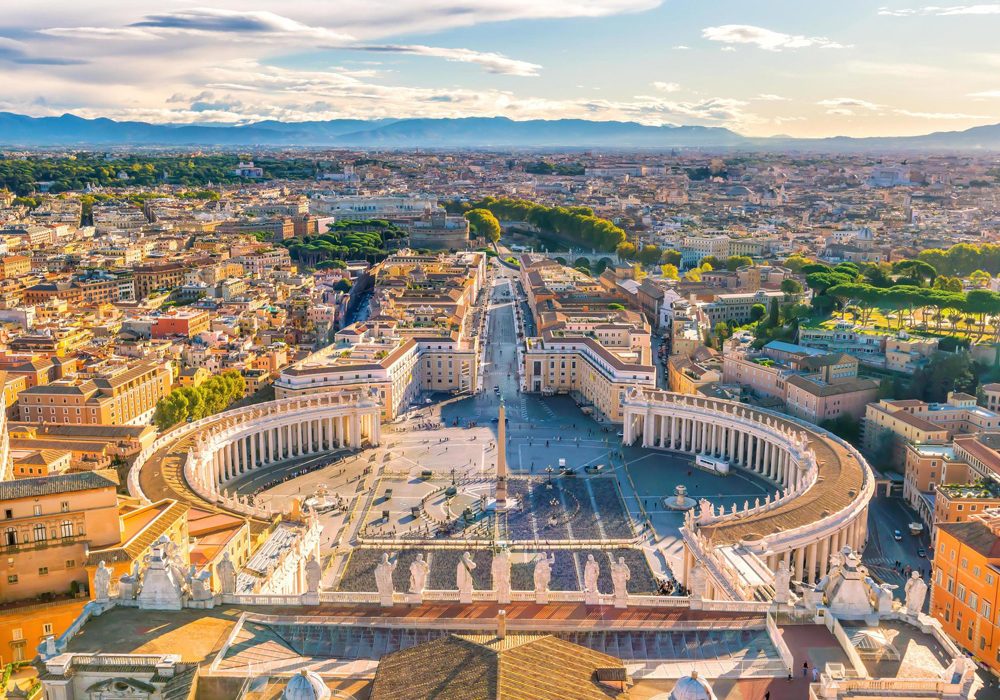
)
(470, 132)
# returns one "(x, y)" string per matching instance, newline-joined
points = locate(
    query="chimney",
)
(501, 624)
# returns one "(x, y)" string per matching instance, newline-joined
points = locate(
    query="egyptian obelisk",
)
(502, 458)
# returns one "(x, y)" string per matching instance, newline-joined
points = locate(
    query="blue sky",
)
(812, 68)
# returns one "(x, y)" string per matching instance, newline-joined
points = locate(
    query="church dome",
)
(306, 686)
(692, 688)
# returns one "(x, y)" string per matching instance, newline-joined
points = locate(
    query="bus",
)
(719, 466)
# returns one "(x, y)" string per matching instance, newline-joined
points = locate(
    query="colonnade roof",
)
(841, 479)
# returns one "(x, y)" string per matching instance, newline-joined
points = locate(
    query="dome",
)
(306, 686)
(692, 688)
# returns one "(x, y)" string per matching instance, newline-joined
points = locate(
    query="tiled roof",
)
(61, 483)
(482, 667)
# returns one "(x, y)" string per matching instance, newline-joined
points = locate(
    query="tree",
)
(772, 314)
(796, 262)
(944, 372)
(980, 278)
(625, 251)
(693, 275)
(710, 260)
(757, 312)
(705, 266)
(734, 262)
(649, 255)
(671, 257)
(722, 331)
(669, 271)
(791, 286)
(484, 223)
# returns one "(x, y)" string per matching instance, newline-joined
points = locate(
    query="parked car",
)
(897, 535)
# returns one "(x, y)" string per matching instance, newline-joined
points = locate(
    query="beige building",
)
(125, 395)
(49, 523)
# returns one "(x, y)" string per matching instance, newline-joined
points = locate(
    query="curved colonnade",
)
(232, 444)
(823, 485)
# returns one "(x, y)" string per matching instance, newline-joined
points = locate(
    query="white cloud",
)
(491, 62)
(666, 87)
(849, 102)
(766, 39)
(768, 97)
(939, 11)
(681, 47)
(939, 115)
(985, 94)
(840, 112)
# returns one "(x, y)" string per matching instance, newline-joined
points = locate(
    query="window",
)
(43, 571)
(976, 571)
(973, 600)
(987, 610)
(960, 594)
(951, 584)
(37, 510)
(70, 563)
(38, 533)
(12, 578)
(16, 634)
(47, 628)
(10, 536)
(64, 506)
(8, 513)
(965, 563)
(66, 529)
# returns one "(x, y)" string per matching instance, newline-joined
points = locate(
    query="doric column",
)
(646, 429)
(253, 450)
(811, 562)
(824, 554)
(280, 442)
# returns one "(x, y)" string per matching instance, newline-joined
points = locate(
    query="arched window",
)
(66, 528)
(10, 536)
(38, 532)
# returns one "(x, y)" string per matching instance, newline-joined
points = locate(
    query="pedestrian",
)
(767, 695)
(815, 675)
(805, 668)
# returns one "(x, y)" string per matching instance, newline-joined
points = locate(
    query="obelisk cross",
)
(502, 457)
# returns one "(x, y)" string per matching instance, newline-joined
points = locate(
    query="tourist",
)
(805, 668)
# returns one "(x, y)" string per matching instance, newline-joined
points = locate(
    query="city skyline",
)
(850, 69)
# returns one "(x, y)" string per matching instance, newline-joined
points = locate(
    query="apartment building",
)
(965, 585)
(150, 278)
(587, 345)
(123, 395)
(897, 352)
(13, 266)
(48, 525)
(181, 322)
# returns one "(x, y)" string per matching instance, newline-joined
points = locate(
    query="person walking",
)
(805, 669)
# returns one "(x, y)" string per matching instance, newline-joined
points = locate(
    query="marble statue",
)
(542, 577)
(418, 575)
(782, 583)
(226, 572)
(500, 570)
(591, 572)
(698, 585)
(314, 574)
(463, 575)
(201, 586)
(102, 583)
(883, 597)
(383, 580)
(916, 591)
(620, 575)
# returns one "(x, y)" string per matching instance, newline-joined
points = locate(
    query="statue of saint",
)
(314, 574)
(102, 582)
(418, 574)
(916, 592)
(463, 576)
(227, 575)
(620, 575)
(782, 582)
(383, 576)
(591, 572)
(500, 570)
(543, 572)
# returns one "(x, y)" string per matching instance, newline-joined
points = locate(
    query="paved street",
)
(883, 551)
